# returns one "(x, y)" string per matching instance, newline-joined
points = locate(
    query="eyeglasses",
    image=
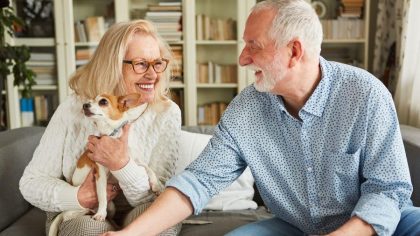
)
(141, 66)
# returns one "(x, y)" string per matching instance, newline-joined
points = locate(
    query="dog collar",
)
(116, 130)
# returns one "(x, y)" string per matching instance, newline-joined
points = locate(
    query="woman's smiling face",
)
(142, 47)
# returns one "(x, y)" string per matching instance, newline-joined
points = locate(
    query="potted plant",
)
(13, 58)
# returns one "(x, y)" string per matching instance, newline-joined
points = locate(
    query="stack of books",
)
(167, 17)
(351, 8)
(44, 108)
(213, 73)
(83, 55)
(210, 113)
(208, 28)
(89, 30)
(343, 28)
(43, 64)
(176, 63)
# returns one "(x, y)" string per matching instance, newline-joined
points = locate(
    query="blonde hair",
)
(103, 72)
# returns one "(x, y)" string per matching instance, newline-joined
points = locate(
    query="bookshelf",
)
(41, 38)
(191, 93)
(346, 31)
(222, 51)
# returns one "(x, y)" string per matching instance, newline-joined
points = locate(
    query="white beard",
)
(270, 77)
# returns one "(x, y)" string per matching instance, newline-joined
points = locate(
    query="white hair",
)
(294, 19)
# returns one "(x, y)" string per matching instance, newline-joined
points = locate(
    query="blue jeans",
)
(409, 225)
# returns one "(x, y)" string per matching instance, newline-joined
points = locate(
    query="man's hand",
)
(87, 196)
(355, 226)
(109, 152)
(115, 233)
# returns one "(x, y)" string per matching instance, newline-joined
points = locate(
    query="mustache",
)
(253, 68)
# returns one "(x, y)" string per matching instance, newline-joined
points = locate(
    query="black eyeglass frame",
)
(149, 63)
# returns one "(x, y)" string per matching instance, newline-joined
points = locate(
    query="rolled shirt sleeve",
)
(387, 182)
(216, 168)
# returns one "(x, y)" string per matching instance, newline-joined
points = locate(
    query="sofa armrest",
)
(411, 138)
(16, 150)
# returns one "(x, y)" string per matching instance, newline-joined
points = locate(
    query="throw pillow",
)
(237, 196)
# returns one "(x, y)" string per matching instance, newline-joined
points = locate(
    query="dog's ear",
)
(128, 101)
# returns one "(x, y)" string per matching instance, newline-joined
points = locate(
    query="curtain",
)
(407, 94)
(387, 41)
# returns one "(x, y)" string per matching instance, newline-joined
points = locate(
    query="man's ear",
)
(295, 51)
(128, 101)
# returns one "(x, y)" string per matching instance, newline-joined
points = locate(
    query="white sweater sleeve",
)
(133, 179)
(165, 154)
(42, 182)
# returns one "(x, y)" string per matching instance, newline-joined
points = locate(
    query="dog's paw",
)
(156, 188)
(99, 216)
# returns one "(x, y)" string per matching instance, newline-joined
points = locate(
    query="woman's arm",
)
(42, 182)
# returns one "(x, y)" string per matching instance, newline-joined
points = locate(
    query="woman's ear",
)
(296, 52)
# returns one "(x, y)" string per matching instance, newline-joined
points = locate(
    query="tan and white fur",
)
(109, 114)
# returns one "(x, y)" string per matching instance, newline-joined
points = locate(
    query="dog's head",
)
(111, 112)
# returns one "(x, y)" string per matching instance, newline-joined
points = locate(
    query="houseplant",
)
(13, 58)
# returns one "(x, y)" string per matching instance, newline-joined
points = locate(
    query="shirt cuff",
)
(68, 198)
(187, 183)
(130, 173)
(379, 211)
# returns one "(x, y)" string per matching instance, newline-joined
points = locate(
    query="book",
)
(95, 28)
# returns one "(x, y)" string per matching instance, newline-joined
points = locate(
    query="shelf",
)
(338, 41)
(42, 87)
(175, 42)
(86, 44)
(35, 42)
(217, 85)
(176, 85)
(40, 63)
(216, 42)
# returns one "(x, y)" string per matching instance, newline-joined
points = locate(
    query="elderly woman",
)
(130, 58)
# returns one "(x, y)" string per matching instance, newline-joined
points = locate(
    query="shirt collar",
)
(318, 100)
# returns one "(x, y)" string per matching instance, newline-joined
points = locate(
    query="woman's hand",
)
(109, 152)
(113, 233)
(87, 196)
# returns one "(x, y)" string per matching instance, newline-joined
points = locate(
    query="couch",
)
(18, 217)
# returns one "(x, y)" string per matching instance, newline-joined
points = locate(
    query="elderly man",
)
(321, 138)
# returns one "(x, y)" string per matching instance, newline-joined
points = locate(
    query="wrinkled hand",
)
(87, 196)
(109, 152)
(115, 233)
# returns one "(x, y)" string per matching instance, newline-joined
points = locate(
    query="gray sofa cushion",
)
(411, 138)
(17, 147)
(32, 223)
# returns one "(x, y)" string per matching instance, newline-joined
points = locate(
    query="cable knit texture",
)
(153, 139)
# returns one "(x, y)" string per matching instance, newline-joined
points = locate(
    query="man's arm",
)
(355, 226)
(168, 209)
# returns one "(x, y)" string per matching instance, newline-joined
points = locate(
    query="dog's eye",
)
(103, 102)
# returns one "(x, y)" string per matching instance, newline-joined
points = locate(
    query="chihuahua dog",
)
(109, 114)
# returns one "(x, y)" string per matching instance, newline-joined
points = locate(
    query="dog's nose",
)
(86, 106)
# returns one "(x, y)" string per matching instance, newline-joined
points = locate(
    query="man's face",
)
(260, 53)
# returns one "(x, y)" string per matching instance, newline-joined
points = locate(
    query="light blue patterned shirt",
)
(344, 158)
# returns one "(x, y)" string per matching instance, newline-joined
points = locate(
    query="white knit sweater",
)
(153, 138)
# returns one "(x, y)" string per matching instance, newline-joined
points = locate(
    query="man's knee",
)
(409, 223)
